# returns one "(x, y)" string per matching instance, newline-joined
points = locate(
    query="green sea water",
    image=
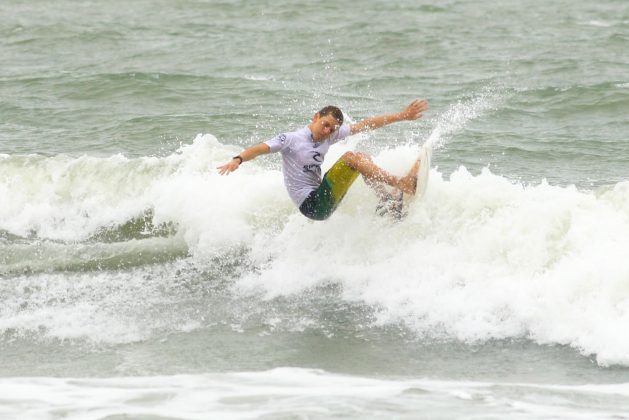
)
(134, 281)
(88, 77)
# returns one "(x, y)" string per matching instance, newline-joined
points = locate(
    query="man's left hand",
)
(414, 110)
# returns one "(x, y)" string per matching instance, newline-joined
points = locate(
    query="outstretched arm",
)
(412, 112)
(247, 154)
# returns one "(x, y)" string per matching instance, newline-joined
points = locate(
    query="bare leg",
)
(379, 188)
(374, 174)
(376, 185)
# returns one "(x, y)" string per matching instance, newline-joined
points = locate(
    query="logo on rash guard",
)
(314, 167)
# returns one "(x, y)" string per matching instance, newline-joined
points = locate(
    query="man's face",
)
(322, 127)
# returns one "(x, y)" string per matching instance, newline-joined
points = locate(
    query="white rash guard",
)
(302, 158)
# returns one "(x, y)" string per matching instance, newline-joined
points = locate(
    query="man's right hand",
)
(246, 155)
(229, 167)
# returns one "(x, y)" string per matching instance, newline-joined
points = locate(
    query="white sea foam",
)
(599, 23)
(69, 199)
(456, 117)
(292, 392)
(480, 257)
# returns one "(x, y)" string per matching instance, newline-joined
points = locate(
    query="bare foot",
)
(392, 205)
(408, 183)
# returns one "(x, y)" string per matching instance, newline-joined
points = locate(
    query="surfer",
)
(303, 152)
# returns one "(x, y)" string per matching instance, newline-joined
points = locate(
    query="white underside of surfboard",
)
(425, 155)
(396, 205)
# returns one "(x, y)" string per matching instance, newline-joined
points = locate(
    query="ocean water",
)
(135, 282)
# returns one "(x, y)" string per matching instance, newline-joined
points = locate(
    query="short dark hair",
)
(332, 110)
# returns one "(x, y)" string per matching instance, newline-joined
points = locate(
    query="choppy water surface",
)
(135, 281)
